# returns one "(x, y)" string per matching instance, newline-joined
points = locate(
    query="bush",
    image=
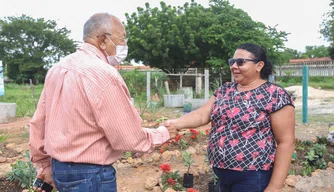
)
(23, 172)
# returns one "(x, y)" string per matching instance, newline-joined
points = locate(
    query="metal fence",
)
(319, 68)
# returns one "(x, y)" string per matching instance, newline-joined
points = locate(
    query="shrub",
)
(23, 172)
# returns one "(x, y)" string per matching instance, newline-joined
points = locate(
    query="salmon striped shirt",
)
(84, 114)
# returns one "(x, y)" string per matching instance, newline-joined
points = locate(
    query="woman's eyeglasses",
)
(240, 61)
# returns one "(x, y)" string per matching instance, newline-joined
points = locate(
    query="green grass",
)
(22, 96)
(314, 118)
(316, 82)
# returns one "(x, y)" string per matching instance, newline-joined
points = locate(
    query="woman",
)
(252, 135)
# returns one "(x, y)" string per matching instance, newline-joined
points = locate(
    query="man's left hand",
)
(44, 174)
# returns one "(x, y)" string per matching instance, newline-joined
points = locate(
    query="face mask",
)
(121, 53)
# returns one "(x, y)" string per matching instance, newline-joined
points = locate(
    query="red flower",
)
(178, 137)
(191, 190)
(164, 147)
(171, 181)
(165, 167)
(207, 131)
(194, 131)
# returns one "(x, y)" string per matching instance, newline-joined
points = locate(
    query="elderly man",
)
(85, 120)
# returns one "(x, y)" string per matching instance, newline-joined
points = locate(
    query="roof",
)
(295, 61)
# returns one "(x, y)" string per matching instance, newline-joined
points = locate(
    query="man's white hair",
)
(97, 25)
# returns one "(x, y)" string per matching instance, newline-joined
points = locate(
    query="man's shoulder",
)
(87, 64)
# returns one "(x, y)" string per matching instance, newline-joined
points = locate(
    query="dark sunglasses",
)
(240, 61)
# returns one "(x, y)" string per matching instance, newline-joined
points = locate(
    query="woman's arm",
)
(195, 118)
(283, 125)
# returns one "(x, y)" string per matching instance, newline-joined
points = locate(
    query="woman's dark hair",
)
(259, 55)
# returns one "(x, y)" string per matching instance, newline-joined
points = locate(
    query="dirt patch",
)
(19, 123)
(312, 92)
(8, 153)
(201, 182)
(9, 186)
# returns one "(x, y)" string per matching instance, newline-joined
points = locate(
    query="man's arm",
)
(121, 123)
(38, 156)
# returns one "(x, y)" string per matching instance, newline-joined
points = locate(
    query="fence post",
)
(181, 81)
(148, 88)
(206, 85)
(305, 94)
(198, 84)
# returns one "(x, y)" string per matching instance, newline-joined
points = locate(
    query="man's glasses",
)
(239, 61)
(123, 40)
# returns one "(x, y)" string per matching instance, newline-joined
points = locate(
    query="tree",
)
(174, 39)
(30, 46)
(327, 29)
(316, 51)
(291, 54)
(310, 52)
(164, 38)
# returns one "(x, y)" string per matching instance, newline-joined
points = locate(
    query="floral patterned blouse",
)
(241, 137)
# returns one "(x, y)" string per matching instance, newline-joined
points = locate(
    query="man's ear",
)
(259, 66)
(102, 42)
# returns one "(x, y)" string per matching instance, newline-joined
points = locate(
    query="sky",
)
(300, 18)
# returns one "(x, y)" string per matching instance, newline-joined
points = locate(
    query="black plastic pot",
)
(213, 187)
(188, 180)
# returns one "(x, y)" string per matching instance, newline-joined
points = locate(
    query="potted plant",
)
(170, 179)
(213, 185)
(188, 178)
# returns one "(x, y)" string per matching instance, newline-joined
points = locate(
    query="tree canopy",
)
(327, 28)
(175, 38)
(310, 52)
(29, 46)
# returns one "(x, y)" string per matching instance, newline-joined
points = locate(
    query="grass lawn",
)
(23, 97)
